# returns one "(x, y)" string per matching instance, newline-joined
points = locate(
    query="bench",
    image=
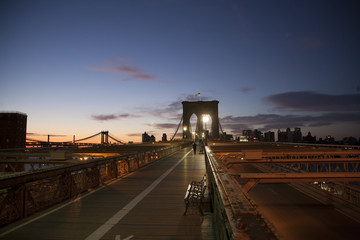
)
(194, 195)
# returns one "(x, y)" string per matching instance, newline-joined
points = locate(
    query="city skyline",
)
(80, 67)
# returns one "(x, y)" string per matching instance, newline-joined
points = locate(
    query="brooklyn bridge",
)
(178, 190)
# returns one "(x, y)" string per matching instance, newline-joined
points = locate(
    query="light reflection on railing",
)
(25, 193)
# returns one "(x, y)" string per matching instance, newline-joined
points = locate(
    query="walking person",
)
(194, 147)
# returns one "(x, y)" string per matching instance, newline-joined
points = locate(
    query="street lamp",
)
(184, 132)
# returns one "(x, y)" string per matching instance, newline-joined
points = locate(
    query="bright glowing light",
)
(185, 128)
(206, 118)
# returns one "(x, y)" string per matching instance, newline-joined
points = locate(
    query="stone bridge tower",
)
(200, 108)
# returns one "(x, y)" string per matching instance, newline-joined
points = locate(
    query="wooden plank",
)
(158, 216)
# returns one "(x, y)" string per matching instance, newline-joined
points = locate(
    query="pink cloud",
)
(108, 117)
(124, 68)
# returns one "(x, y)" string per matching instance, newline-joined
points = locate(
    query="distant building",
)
(12, 130)
(309, 139)
(228, 137)
(329, 139)
(253, 135)
(290, 136)
(258, 135)
(243, 139)
(164, 137)
(349, 141)
(282, 136)
(269, 136)
(248, 134)
(146, 138)
(296, 136)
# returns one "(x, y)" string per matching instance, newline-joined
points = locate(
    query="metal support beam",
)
(231, 161)
(255, 178)
(250, 184)
(301, 177)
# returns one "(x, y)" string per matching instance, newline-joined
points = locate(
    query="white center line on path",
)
(103, 229)
(118, 237)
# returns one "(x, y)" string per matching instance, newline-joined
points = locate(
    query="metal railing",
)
(235, 215)
(25, 193)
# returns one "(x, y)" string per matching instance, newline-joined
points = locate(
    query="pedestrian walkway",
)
(146, 204)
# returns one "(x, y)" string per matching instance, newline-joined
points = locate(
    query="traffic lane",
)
(298, 216)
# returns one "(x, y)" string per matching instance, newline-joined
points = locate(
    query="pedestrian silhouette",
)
(194, 147)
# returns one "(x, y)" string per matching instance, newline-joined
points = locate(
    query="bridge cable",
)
(115, 139)
(34, 140)
(221, 129)
(82, 139)
(177, 129)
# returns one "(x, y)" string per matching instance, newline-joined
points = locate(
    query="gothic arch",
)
(199, 108)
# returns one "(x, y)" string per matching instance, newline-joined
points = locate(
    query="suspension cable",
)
(34, 140)
(177, 129)
(78, 140)
(115, 139)
(221, 129)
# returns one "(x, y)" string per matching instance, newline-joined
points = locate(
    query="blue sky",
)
(79, 67)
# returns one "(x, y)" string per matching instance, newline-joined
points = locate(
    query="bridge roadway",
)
(298, 216)
(146, 204)
(294, 212)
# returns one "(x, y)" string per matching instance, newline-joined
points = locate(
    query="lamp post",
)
(184, 132)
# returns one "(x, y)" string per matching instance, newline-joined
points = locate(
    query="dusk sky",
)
(80, 67)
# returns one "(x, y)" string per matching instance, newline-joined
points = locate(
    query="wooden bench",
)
(194, 195)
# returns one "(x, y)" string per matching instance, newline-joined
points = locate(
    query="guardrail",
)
(25, 193)
(235, 215)
(345, 146)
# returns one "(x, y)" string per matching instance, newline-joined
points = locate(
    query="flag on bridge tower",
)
(198, 95)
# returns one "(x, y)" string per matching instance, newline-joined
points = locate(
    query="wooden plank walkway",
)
(146, 204)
